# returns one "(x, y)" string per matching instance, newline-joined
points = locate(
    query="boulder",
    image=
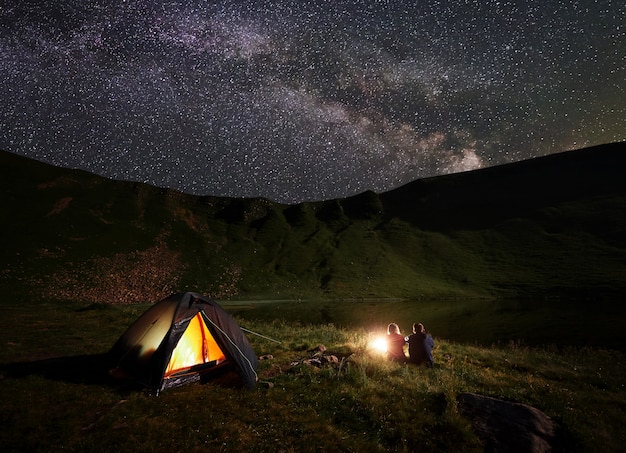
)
(507, 427)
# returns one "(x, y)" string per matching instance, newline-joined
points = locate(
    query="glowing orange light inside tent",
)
(195, 347)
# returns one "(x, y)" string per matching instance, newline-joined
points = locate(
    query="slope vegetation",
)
(553, 226)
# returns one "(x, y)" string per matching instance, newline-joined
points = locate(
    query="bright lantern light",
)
(379, 344)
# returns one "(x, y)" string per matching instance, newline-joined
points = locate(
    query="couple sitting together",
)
(420, 345)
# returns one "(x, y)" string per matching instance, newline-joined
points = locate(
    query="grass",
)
(363, 404)
(485, 234)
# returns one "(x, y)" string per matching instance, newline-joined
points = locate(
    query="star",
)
(297, 101)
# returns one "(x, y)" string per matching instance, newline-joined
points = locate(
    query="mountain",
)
(547, 227)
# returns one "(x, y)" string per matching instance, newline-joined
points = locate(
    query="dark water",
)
(561, 323)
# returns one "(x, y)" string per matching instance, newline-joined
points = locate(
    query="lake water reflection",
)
(484, 322)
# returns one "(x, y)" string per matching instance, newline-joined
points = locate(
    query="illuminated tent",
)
(184, 338)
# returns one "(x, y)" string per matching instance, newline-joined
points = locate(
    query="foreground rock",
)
(507, 427)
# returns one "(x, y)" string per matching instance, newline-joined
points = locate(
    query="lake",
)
(482, 322)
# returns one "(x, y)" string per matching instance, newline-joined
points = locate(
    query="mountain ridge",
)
(552, 226)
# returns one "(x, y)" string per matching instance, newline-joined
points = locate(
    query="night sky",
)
(306, 100)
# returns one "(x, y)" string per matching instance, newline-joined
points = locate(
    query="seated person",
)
(421, 346)
(395, 343)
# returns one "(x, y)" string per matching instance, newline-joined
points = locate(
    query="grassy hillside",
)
(73, 243)
(548, 227)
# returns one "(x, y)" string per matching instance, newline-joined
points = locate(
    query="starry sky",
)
(306, 100)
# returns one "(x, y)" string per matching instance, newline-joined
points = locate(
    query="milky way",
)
(296, 100)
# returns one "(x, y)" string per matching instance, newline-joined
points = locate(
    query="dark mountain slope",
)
(484, 197)
(548, 227)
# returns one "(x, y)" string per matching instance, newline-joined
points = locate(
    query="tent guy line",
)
(259, 335)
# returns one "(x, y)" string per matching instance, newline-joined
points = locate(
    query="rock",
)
(507, 427)
(318, 349)
(314, 362)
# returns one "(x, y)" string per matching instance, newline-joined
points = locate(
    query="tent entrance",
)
(196, 348)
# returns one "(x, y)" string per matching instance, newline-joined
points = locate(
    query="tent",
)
(184, 338)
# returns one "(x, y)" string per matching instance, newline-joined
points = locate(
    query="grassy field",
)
(55, 394)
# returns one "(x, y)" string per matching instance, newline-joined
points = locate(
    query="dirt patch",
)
(60, 206)
(124, 278)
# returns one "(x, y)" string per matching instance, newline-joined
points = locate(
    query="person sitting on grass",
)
(421, 346)
(395, 343)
